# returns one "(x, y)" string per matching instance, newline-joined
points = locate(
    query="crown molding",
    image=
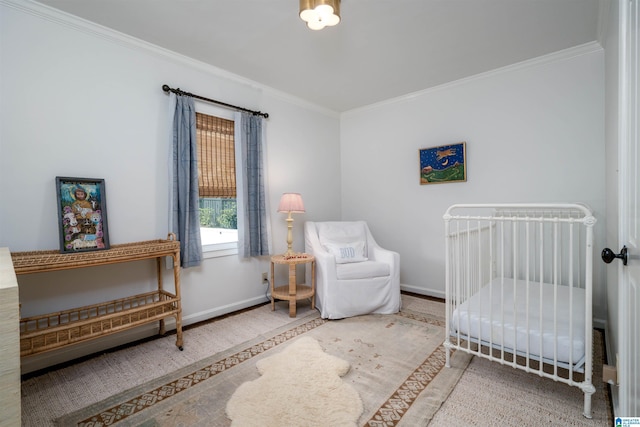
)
(91, 28)
(76, 23)
(561, 55)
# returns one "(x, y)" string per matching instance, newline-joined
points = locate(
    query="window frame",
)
(228, 248)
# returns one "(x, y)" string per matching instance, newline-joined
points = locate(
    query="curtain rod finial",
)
(166, 88)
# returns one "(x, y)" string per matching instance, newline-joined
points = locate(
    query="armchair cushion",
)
(362, 270)
(337, 233)
(346, 252)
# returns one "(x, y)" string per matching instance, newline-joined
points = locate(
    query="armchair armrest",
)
(377, 253)
(325, 261)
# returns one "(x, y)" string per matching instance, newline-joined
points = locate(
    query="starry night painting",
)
(446, 163)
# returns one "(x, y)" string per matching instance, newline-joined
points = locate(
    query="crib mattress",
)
(560, 336)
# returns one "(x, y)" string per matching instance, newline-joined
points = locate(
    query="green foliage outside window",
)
(218, 213)
(228, 219)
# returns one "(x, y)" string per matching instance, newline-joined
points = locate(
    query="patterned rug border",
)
(392, 411)
(151, 393)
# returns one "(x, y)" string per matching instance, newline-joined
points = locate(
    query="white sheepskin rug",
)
(300, 386)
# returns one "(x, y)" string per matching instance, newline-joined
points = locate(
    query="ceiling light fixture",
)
(320, 13)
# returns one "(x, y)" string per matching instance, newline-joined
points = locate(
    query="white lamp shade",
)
(291, 202)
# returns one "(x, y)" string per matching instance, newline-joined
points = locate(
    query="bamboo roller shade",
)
(216, 156)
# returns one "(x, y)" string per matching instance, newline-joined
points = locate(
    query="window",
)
(217, 182)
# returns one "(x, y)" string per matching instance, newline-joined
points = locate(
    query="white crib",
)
(519, 283)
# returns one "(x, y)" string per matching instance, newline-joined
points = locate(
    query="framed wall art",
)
(82, 214)
(447, 163)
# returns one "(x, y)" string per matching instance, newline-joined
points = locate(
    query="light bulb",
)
(331, 20)
(308, 15)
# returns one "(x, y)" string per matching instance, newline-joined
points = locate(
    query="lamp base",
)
(289, 235)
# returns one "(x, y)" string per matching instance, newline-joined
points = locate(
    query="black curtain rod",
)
(178, 91)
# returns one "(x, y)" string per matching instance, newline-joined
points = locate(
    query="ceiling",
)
(382, 49)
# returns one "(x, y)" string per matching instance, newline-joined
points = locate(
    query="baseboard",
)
(423, 291)
(600, 324)
(225, 309)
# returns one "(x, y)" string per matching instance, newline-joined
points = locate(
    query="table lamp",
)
(290, 203)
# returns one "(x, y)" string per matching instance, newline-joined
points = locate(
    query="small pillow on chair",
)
(346, 252)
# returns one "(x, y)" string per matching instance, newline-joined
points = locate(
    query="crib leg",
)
(447, 347)
(588, 391)
(587, 406)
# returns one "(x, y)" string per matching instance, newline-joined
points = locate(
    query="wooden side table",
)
(293, 292)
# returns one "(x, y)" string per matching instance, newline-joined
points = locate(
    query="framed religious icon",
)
(82, 214)
(446, 163)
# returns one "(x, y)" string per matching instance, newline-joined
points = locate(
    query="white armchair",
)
(354, 275)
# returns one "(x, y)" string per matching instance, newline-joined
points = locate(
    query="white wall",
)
(534, 133)
(78, 100)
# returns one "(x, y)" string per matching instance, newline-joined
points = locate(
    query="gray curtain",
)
(184, 213)
(254, 234)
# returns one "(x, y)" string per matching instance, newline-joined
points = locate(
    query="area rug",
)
(397, 368)
(299, 386)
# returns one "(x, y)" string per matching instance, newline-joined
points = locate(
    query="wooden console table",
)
(293, 292)
(54, 330)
